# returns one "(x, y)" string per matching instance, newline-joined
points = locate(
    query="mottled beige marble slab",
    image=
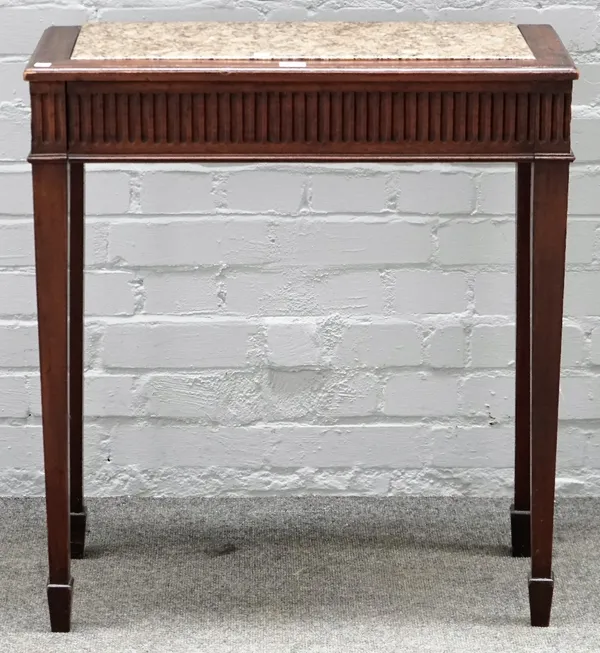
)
(301, 41)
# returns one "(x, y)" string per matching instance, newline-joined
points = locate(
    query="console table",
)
(301, 92)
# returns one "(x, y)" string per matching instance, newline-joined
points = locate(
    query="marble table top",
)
(300, 41)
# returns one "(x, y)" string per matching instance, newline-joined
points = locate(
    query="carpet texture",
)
(299, 575)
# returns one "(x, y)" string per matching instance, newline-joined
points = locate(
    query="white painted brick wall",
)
(446, 347)
(176, 192)
(253, 191)
(379, 343)
(419, 193)
(292, 344)
(350, 193)
(14, 400)
(298, 328)
(149, 344)
(421, 395)
(429, 291)
(192, 242)
(493, 346)
(107, 193)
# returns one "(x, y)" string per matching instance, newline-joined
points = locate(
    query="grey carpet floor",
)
(299, 575)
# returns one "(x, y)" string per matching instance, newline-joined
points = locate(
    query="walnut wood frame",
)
(513, 111)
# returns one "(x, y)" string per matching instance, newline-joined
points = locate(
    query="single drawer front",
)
(270, 120)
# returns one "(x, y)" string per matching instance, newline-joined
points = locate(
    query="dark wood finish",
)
(225, 120)
(78, 530)
(550, 199)
(50, 203)
(510, 111)
(520, 531)
(56, 45)
(540, 600)
(520, 510)
(344, 110)
(76, 303)
(48, 119)
(60, 601)
(552, 63)
(547, 47)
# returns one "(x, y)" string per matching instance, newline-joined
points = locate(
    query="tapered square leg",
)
(550, 191)
(520, 510)
(60, 599)
(540, 600)
(76, 311)
(520, 531)
(78, 528)
(50, 201)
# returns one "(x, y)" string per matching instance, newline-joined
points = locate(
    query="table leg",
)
(76, 292)
(550, 199)
(520, 511)
(50, 201)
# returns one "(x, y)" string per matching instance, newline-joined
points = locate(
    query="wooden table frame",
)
(476, 111)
